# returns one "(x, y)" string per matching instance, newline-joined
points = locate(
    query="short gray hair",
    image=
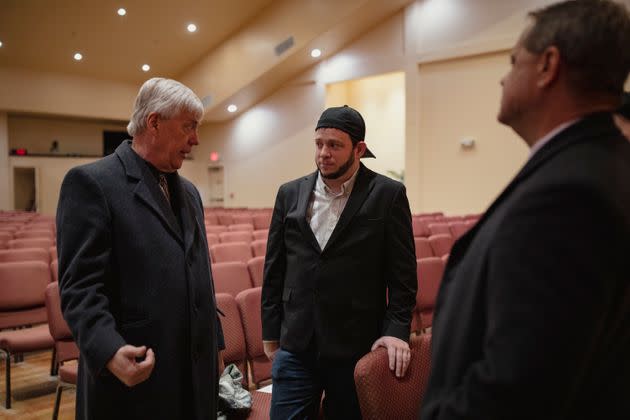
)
(166, 97)
(593, 37)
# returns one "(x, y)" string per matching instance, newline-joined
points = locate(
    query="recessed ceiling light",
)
(78, 56)
(146, 67)
(0, 43)
(191, 27)
(232, 108)
(316, 52)
(121, 12)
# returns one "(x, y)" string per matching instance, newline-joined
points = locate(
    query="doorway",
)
(24, 189)
(215, 181)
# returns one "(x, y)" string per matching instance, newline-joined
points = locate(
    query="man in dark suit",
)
(533, 314)
(340, 242)
(135, 279)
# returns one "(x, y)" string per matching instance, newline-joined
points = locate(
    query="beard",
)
(342, 169)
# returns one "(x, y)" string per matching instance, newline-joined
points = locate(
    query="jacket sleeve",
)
(84, 245)
(400, 270)
(273, 278)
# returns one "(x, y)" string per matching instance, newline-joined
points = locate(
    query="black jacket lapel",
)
(304, 197)
(147, 191)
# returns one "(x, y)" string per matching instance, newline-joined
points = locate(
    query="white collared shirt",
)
(540, 143)
(325, 208)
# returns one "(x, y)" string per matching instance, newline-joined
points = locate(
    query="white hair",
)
(167, 98)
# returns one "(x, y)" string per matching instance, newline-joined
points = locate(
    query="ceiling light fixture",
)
(232, 108)
(0, 43)
(121, 12)
(316, 52)
(146, 67)
(191, 27)
(78, 56)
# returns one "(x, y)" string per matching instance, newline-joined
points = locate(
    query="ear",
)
(548, 66)
(152, 121)
(361, 148)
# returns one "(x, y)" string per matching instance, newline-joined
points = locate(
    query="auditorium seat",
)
(241, 227)
(230, 277)
(262, 221)
(441, 244)
(53, 253)
(66, 350)
(259, 247)
(54, 270)
(212, 238)
(24, 254)
(249, 306)
(34, 233)
(239, 219)
(458, 229)
(384, 396)
(31, 243)
(430, 272)
(22, 304)
(5, 236)
(236, 251)
(260, 234)
(229, 237)
(439, 229)
(256, 267)
(261, 404)
(216, 229)
(225, 219)
(210, 219)
(232, 333)
(420, 228)
(423, 248)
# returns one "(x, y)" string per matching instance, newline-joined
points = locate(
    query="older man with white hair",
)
(134, 273)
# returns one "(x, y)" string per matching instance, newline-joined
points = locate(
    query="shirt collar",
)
(346, 187)
(550, 135)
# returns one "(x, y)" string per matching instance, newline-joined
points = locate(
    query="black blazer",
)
(338, 294)
(130, 273)
(533, 315)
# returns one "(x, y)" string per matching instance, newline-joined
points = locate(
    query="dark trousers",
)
(299, 380)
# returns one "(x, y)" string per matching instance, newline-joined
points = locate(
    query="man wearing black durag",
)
(340, 242)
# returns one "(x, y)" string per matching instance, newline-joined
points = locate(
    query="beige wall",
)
(459, 99)
(74, 136)
(49, 173)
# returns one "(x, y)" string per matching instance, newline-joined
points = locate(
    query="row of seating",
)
(423, 228)
(235, 276)
(260, 220)
(237, 251)
(434, 246)
(237, 236)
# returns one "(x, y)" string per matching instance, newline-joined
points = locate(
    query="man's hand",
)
(125, 367)
(271, 347)
(398, 352)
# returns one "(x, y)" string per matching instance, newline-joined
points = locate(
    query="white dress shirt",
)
(325, 208)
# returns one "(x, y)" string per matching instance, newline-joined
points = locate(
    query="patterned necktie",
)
(164, 188)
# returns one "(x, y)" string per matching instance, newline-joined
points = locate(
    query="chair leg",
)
(7, 359)
(57, 401)
(53, 363)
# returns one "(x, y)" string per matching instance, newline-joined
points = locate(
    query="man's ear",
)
(361, 147)
(152, 121)
(548, 66)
